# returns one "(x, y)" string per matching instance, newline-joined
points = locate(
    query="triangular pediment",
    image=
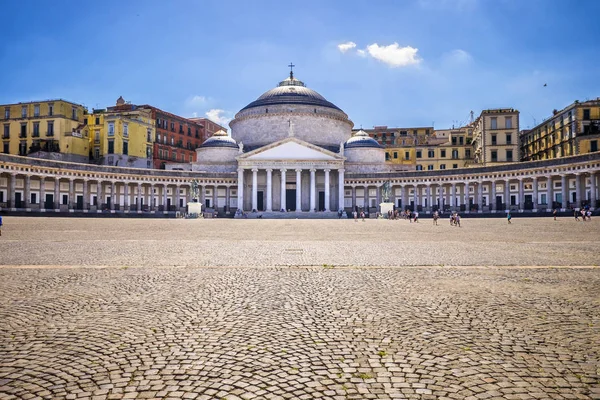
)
(291, 149)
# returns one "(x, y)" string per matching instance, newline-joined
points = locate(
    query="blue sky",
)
(413, 63)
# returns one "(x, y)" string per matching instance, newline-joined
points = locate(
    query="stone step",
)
(289, 215)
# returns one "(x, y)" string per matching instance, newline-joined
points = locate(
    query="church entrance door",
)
(321, 201)
(290, 199)
(260, 201)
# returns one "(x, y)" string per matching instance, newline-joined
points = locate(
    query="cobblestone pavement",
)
(158, 242)
(299, 333)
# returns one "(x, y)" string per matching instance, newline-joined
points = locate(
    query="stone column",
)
(441, 196)
(283, 193)
(86, 196)
(165, 198)
(240, 189)
(535, 193)
(298, 190)
(493, 205)
(151, 197)
(113, 195)
(415, 197)
(139, 197)
(327, 190)
(99, 196)
(429, 206)
(579, 190)
(42, 193)
(341, 194)
(57, 193)
(549, 194)
(11, 191)
(353, 198)
(126, 197)
(227, 198)
(453, 199)
(27, 188)
(507, 194)
(479, 197)
(216, 197)
(565, 191)
(71, 193)
(521, 195)
(593, 197)
(203, 196)
(466, 197)
(313, 189)
(366, 198)
(269, 189)
(254, 189)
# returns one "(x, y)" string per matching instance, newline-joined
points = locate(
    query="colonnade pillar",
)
(126, 195)
(565, 191)
(42, 193)
(240, 189)
(139, 197)
(71, 193)
(327, 191)
(549, 193)
(269, 189)
(254, 189)
(57, 193)
(535, 193)
(593, 197)
(86, 197)
(298, 190)
(27, 195)
(313, 189)
(283, 172)
(493, 204)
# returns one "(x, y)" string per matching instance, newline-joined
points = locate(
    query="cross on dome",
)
(291, 70)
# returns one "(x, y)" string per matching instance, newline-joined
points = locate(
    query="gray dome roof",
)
(361, 139)
(291, 91)
(219, 139)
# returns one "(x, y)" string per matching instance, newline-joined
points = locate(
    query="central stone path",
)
(299, 333)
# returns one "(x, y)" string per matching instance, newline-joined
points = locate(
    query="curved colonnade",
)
(37, 185)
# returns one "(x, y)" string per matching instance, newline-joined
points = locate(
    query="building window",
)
(494, 123)
(455, 154)
(172, 141)
(111, 147)
(454, 166)
(125, 148)
(96, 153)
(407, 155)
(494, 155)
(419, 168)
(24, 112)
(23, 130)
(387, 156)
(189, 131)
(586, 114)
(443, 153)
(453, 139)
(22, 148)
(6, 134)
(125, 130)
(461, 140)
(508, 122)
(494, 140)
(191, 158)
(172, 126)
(97, 120)
(111, 129)
(160, 154)
(36, 129)
(430, 153)
(508, 138)
(395, 155)
(74, 113)
(97, 136)
(6, 112)
(148, 151)
(442, 166)
(148, 135)
(418, 153)
(6, 148)
(509, 155)
(36, 110)
(50, 110)
(174, 156)
(430, 167)
(50, 128)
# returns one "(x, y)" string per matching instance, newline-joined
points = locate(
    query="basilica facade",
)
(292, 153)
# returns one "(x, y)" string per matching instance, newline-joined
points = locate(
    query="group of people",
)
(586, 214)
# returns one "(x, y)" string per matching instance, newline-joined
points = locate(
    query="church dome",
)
(362, 139)
(291, 91)
(219, 139)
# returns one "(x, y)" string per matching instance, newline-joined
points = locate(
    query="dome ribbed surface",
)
(220, 139)
(362, 139)
(291, 91)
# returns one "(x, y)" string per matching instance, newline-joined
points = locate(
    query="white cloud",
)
(219, 116)
(196, 101)
(458, 56)
(344, 47)
(394, 55)
(361, 53)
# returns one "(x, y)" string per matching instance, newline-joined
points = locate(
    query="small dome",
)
(220, 139)
(361, 139)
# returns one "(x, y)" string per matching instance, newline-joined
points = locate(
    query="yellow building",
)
(424, 148)
(121, 135)
(496, 136)
(571, 131)
(47, 129)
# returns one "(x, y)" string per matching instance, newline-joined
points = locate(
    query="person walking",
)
(508, 217)
(435, 217)
(576, 214)
(457, 220)
(555, 213)
(0, 225)
(355, 215)
(362, 215)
